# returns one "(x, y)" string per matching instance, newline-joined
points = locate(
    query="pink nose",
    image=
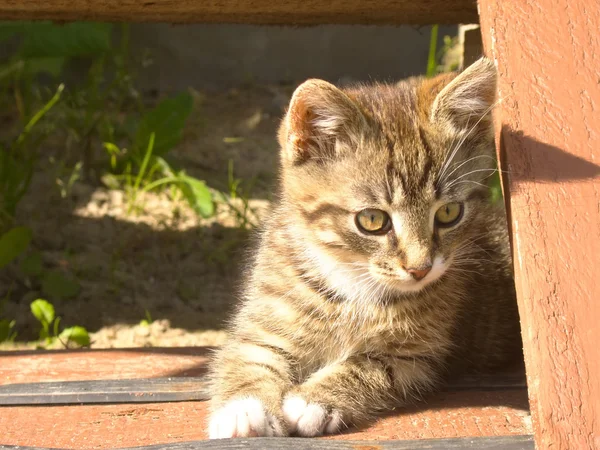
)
(419, 274)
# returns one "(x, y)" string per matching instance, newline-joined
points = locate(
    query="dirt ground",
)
(184, 271)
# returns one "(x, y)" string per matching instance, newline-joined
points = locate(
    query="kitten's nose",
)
(419, 274)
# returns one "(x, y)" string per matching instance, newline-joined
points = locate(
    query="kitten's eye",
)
(449, 214)
(373, 221)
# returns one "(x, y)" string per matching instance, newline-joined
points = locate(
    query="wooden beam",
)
(263, 12)
(548, 55)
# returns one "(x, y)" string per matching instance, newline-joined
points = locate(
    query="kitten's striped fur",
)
(332, 329)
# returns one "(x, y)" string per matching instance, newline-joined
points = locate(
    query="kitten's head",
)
(383, 185)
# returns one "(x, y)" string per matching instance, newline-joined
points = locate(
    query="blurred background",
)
(136, 161)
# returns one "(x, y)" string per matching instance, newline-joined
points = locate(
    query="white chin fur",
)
(360, 285)
(410, 285)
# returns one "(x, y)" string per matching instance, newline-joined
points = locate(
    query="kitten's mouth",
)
(404, 282)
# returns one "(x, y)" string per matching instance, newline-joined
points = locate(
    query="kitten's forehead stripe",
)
(411, 162)
(324, 210)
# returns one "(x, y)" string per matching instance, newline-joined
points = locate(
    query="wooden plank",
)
(445, 415)
(493, 443)
(106, 364)
(264, 12)
(548, 55)
(174, 389)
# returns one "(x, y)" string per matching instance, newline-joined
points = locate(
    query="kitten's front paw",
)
(310, 419)
(244, 418)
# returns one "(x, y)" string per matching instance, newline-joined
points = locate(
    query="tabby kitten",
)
(383, 268)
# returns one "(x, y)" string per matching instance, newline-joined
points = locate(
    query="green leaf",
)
(76, 334)
(32, 265)
(43, 311)
(110, 181)
(57, 285)
(197, 195)
(166, 121)
(55, 330)
(13, 243)
(15, 176)
(46, 39)
(160, 165)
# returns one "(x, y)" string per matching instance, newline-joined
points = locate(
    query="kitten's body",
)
(333, 329)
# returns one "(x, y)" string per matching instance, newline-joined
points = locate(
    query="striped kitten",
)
(384, 266)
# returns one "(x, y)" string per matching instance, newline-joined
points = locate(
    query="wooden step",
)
(153, 396)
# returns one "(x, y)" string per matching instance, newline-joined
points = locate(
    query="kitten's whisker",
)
(468, 161)
(453, 182)
(474, 182)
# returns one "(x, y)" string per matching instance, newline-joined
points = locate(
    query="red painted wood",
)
(500, 413)
(548, 56)
(109, 364)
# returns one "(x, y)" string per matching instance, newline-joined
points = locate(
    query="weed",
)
(94, 112)
(17, 163)
(66, 177)
(435, 56)
(148, 319)
(7, 330)
(237, 200)
(7, 326)
(44, 312)
(432, 56)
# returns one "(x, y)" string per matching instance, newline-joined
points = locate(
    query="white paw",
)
(243, 418)
(310, 419)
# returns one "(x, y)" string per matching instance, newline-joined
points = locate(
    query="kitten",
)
(383, 268)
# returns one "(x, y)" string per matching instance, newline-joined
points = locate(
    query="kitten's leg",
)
(248, 381)
(353, 392)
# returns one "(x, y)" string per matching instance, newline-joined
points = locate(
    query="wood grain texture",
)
(548, 56)
(267, 12)
(493, 443)
(446, 415)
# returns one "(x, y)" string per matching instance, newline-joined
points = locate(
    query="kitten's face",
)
(389, 192)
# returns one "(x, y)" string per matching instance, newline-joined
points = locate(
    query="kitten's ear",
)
(319, 117)
(468, 99)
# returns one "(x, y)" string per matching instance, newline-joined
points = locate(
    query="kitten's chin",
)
(405, 284)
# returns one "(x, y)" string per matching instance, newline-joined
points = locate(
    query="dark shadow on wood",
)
(537, 162)
(540, 162)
